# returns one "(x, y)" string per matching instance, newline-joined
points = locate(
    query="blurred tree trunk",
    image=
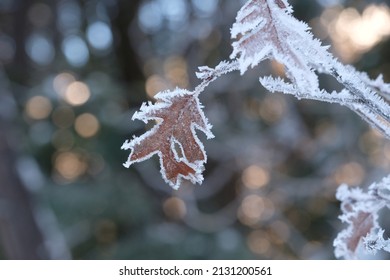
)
(19, 233)
(20, 236)
(125, 53)
(16, 24)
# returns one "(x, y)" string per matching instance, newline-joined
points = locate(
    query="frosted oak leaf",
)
(178, 114)
(360, 212)
(265, 29)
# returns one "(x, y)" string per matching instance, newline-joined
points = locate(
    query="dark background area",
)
(72, 73)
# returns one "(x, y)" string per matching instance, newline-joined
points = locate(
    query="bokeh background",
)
(72, 73)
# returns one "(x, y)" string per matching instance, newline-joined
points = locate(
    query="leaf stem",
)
(208, 74)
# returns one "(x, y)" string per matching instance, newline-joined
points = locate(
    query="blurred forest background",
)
(72, 73)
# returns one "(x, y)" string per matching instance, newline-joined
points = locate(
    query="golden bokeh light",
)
(258, 242)
(277, 68)
(70, 165)
(175, 69)
(87, 125)
(272, 108)
(251, 210)
(354, 33)
(77, 93)
(62, 81)
(154, 84)
(255, 177)
(175, 208)
(351, 174)
(38, 107)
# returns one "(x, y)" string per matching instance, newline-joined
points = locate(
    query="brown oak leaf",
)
(360, 212)
(177, 114)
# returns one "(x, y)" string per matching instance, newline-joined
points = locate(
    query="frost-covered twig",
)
(360, 212)
(208, 74)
